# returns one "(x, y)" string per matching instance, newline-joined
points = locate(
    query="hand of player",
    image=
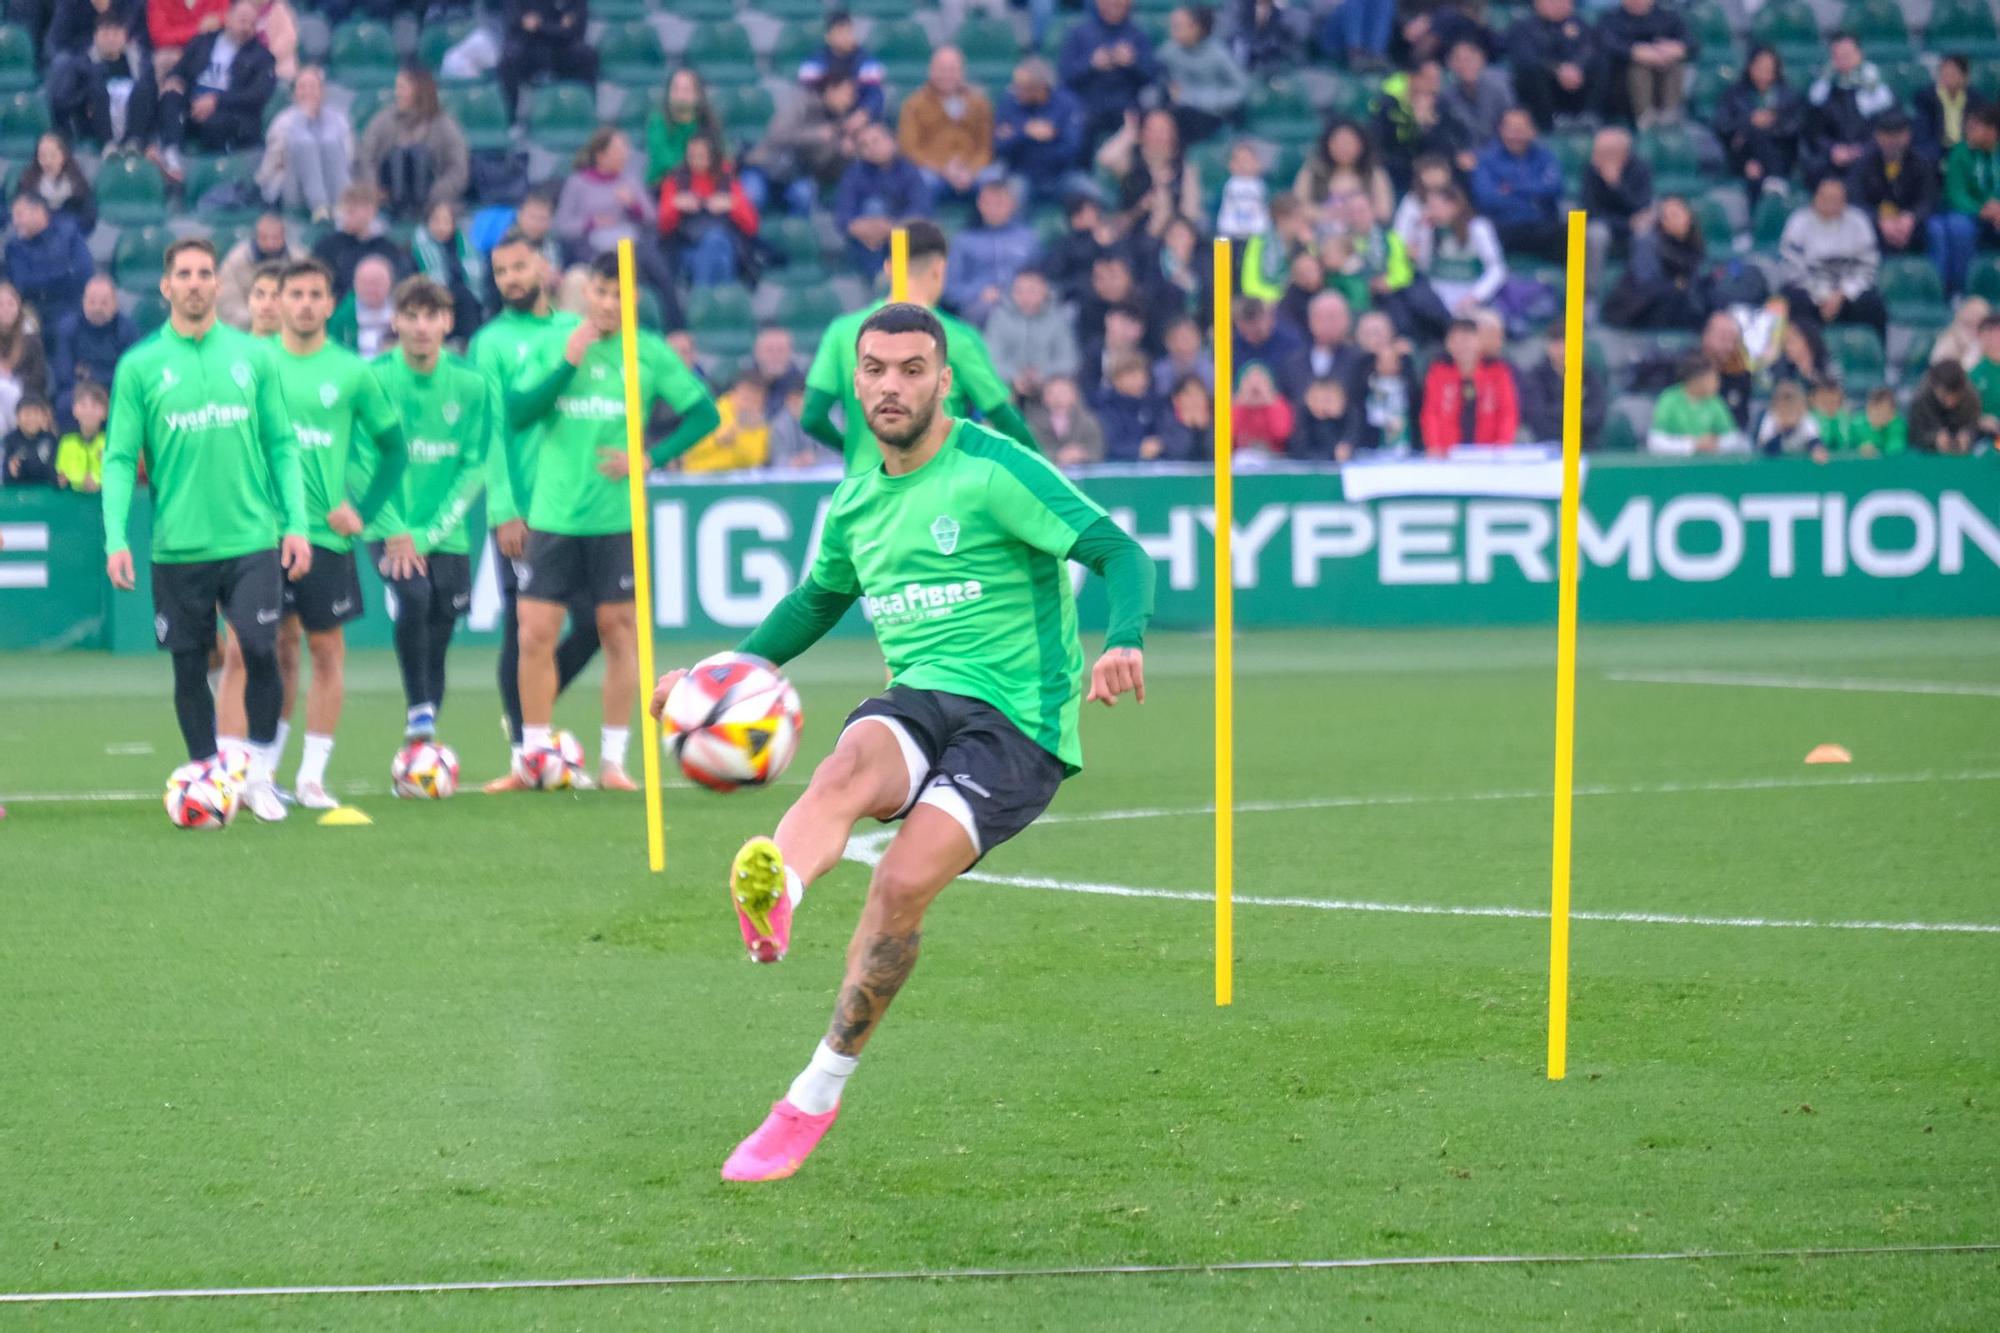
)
(580, 339)
(344, 521)
(400, 559)
(613, 463)
(512, 538)
(658, 706)
(1119, 670)
(118, 568)
(296, 555)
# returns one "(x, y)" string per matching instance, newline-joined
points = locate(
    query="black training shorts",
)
(968, 760)
(329, 595)
(448, 577)
(576, 571)
(247, 589)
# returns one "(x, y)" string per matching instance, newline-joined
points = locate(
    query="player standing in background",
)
(579, 547)
(502, 348)
(451, 417)
(976, 386)
(201, 404)
(266, 316)
(960, 540)
(332, 397)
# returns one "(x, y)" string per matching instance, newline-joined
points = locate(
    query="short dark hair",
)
(605, 266)
(1127, 310)
(904, 317)
(1460, 326)
(1693, 365)
(34, 400)
(30, 196)
(1839, 35)
(308, 267)
(927, 240)
(420, 295)
(92, 390)
(274, 269)
(514, 236)
(1958, 58)
(112, 19)
(182, 246)
(1986, 114)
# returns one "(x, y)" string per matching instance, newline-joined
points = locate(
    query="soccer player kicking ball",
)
(579, 541)
(451, 417)
(502, 348)
(200, 402)
(976, 386)
(958, 539)
(333, 399)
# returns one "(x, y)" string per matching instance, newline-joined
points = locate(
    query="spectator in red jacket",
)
(1467, 399)
(1262, 418)
(706, 220)
(172, 24)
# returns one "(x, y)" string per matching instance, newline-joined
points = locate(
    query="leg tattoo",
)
(886, 963)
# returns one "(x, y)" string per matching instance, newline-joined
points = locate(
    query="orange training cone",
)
(1829, 754)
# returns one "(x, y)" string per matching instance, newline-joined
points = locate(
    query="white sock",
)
(226, 742)
(215, 680)
(817, 1089)
(611, 749)
(278, 744)
(795, 888)
(263, 759)
(515, 751)
(312, 767)
(534, 737)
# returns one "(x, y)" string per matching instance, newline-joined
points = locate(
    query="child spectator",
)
(1131, 414)
(1322, 429)
(1829, 413)
(1263, 419)
(742, 437)
(1880, 429)
(80, 454)
(1459, 256)
(1188, 435)
(1246, 205)
(30, 448)
(1944, 413)
(1787, 427)
(1467, 399)
(1985, 372)
(1067, 429)
(842, 57)
(1186, 355)
(1691, 418)
(1384, 385)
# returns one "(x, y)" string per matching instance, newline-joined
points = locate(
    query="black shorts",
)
(967, 759)
(329, 595)
(449, 578)
(576, 571)
(247, 589)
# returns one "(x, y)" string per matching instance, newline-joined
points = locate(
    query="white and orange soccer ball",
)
(555, 767)
(733, 721)
(201, 795)
(425, 770)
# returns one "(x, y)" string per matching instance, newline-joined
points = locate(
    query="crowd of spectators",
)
(1399, 246)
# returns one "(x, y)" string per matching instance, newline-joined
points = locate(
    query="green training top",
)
(502, 348)
(451, 422)
(328, 393)
(975, 385)
(570, 496)
(209, 418)
(961, 565)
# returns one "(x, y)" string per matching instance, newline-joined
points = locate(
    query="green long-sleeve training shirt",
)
(504, 348)
(333, 398)
(451, 420)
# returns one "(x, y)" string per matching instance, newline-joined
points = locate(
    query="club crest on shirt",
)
(450, 414)
(167, 377)
(597, 372)
(240, 372)
(944, 531)
(328, 395)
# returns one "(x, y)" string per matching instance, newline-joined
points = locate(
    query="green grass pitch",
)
(477, 1041)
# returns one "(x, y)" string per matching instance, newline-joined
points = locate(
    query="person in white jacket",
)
(308, 150)
(1831, 259)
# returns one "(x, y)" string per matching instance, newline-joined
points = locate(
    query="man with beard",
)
(958, 538)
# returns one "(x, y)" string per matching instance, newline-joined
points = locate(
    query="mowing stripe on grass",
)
(997, 1274)
(1853, 684)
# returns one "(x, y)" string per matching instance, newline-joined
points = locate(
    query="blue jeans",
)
(1952, 237)
(711, 260)
(800, 195)
(1359, 27)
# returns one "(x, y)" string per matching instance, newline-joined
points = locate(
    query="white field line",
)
(1853, 684)
(999, 1274)
(337, 788)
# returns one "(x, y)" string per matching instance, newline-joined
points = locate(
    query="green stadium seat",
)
(1984, 281)
(883, 10)
(363, 55)
(795, 42)
(137, 258)
(1963, 25)
(1880, 26)
(635, 107)
(1767, 222)
(1706, 85)
(205, 173)
(560, 116)
(1789, 26)
(438, 38)
(1281, 169)
(705, 11)
(1904, 77)
(619, 11)
(1674, 154)
(367, 104)
(991, 51)
(712, 309)
(1859, 354)
(793, 237)
(807, 310)
(904, 49)
(794, 11)
(24, 118)
(130, 191)
(1572, 150)
(149, 310)
(745, 113)
(1285, 115)
(481, 114)
(1910, 288)
(721, 53)
(1717, 233)
(1708, 24)
(17, 59)
(630, 55)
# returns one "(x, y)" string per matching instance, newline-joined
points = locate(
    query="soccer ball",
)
(555, 767)
(733, 721)
(234, 762)
(425, 769)
(201, 795)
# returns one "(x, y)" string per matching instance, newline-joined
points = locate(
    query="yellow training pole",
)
(1566, 651)
(642, 562)
(1225, 630)
(899, 265)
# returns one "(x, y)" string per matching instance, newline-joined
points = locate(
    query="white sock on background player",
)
(611, 745)
(263, 760)
(312, 765)
(817, 1088)
(535, 738)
